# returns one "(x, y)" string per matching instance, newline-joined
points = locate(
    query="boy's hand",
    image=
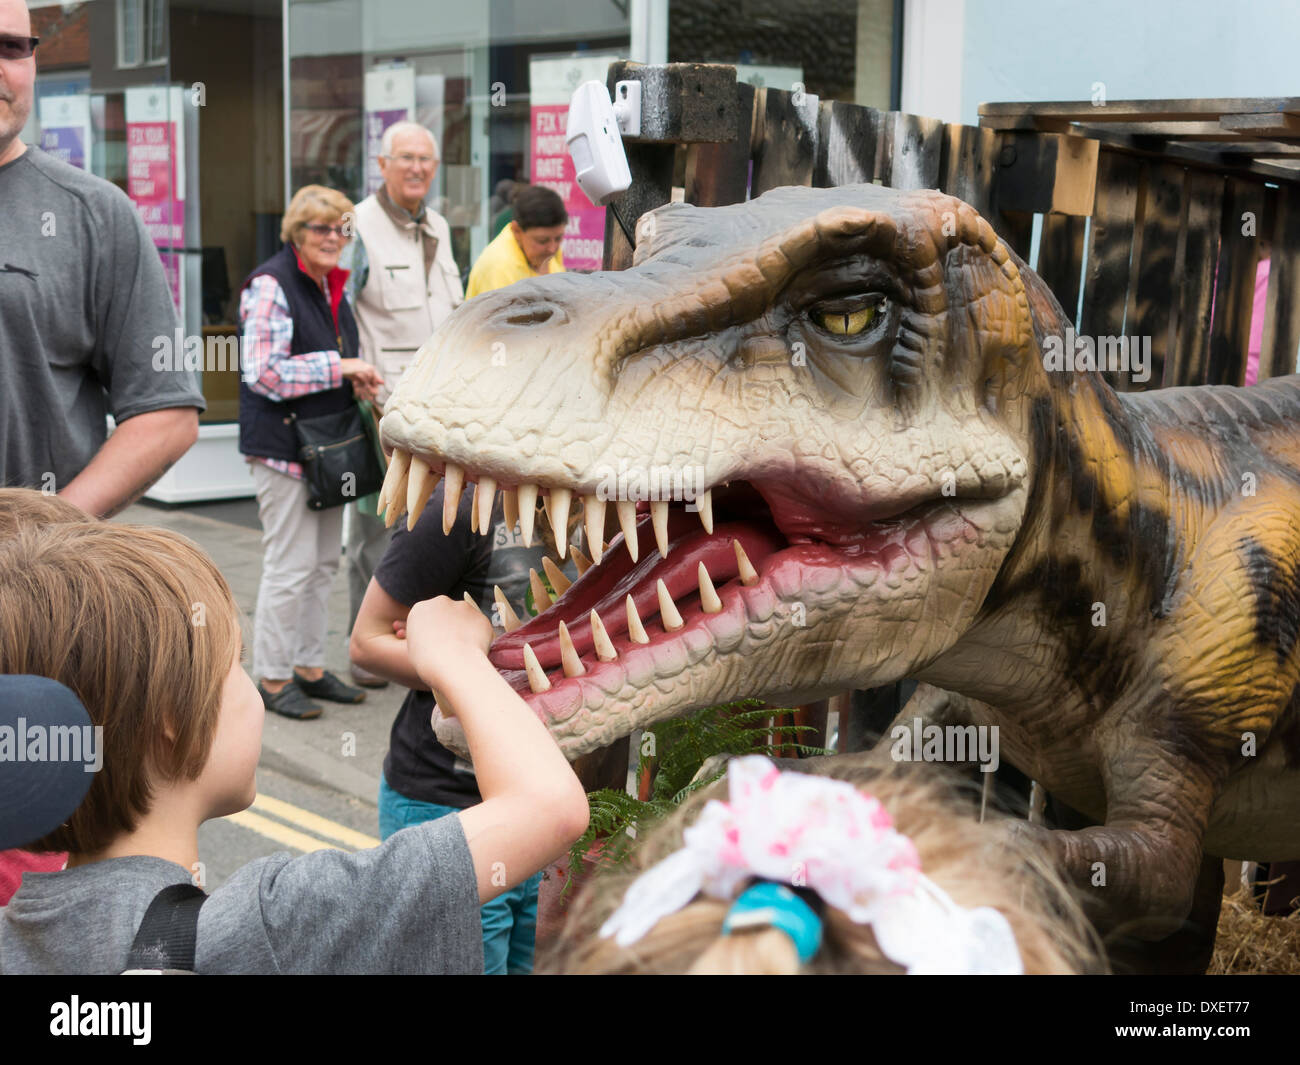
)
(441, 633)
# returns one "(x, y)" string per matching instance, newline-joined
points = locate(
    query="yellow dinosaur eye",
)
(846, 323)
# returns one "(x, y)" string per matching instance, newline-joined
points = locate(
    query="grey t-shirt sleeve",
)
(409, 905)
(134, 306)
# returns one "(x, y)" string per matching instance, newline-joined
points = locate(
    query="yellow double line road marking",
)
(340, 837)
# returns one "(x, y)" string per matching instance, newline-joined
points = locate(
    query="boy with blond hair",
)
(141, 626)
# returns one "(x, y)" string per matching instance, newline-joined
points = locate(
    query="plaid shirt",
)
(269, 368)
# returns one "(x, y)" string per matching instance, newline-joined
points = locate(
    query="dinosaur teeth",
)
(594, 513)
(536, 674)
(420, 481)
(635, 630)
(397, 499)
(668, 613)
(527, 511)
(510, 506)
(471, 601)
(485, 498)
(397, 467)
(473, 509)
(659, 518)
(580, 560)
(557, 509)
(509, 619)
(708, 594)
(604, 645)
(556, 576)
(451, 496)
(540, 595)
(627, 522)
(704, 507)
(569, 660)
(748, 575)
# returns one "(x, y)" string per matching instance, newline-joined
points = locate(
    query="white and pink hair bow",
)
(827, 836)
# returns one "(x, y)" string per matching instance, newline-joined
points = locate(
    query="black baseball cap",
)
(49, 752)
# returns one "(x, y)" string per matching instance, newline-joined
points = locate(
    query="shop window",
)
(141, 32)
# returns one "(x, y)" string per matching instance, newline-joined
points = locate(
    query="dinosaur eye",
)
(845, 320)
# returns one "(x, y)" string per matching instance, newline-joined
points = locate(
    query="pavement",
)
(344, 748)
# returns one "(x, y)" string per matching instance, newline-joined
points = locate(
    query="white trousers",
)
(301, 551)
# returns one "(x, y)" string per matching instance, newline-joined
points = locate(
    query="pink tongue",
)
(604, 588)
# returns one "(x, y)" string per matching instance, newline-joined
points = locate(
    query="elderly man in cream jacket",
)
(404, 283)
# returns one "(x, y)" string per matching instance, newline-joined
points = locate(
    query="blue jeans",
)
(509, 921)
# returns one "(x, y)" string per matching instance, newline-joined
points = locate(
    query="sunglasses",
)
(322, 230)
(17, 47)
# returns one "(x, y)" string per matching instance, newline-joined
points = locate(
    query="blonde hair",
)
(27, 508)
(313, 203)
(977, 864)
(141, 625)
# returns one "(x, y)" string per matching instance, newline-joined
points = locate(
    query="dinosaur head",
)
(804, 409)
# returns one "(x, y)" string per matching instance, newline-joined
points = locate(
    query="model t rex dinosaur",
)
(892, 484)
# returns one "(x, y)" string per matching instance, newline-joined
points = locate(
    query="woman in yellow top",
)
(527, 247)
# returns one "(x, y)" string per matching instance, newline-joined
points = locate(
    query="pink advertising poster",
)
(552, 82)
(155, 176)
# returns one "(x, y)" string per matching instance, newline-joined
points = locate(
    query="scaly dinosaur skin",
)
(920, 497)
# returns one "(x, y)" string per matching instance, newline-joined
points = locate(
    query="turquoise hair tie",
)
(768, 903)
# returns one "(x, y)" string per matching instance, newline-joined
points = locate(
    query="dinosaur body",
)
(894, 484)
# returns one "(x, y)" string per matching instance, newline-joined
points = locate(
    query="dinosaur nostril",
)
(534, 316)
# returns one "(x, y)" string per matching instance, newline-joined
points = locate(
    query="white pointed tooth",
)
(473, 509)
(708, 594)
(594, 513)
(569, 660)
(420, 481)
(704, 507)
(527, 511)
(509, 619)
(397, 467)
(473, 602)
(659, 518)
(486, 498)
(397, 501)
(451, 496)
(510, 507)
(668, 609)
(635, 630)
(627, 522)
(556, 576)
(580, 560)
(536, 674)
(557, 509)
(604, 645)
(540, 596)
(748, 575)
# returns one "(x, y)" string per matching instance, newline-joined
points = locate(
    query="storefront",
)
(210, 113)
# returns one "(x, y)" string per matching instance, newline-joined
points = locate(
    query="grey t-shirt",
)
(82, 298)
(408, 906)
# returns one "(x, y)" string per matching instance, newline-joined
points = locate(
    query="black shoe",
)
(331, 688)
(290, 701)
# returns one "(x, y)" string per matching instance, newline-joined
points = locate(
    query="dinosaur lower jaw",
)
(775, 578)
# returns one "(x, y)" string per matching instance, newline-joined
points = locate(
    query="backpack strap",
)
(168, 934)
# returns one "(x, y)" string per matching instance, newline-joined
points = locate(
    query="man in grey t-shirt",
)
(82, 298)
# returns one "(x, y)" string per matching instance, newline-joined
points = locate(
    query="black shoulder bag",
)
(339, 459)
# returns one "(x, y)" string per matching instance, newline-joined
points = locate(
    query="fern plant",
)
(679, 750)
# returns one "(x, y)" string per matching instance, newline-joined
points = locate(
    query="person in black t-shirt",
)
(422, 779)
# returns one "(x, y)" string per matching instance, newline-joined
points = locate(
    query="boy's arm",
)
(533, 806)
(374, 646)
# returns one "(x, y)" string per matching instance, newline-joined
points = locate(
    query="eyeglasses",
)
(322, 230)
(17, 47)
(408, 160)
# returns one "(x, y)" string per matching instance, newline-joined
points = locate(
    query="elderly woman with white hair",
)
(300, 360)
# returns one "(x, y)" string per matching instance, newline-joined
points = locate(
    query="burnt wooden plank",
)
(1060, 259)
(912, 151)
(1151, 297)
(1234, 286)
(787, 150)
(681, 103)
(1042, 172)
(1110, 249)
(970, 157)
(848, 144)
(1282, 310)
(999, 115)
(651, 166)
(718, 174)
(1198, 246)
